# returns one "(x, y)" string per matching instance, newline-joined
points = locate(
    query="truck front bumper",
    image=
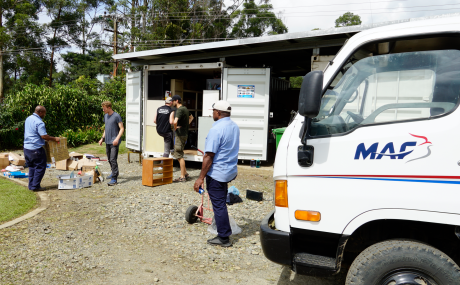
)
(275, 244)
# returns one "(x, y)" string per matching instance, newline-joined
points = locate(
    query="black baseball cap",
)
(176, 97)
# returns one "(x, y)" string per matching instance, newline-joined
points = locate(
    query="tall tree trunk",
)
(52, 48)
(84, 41)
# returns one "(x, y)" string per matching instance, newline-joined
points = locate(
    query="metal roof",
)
(333, 37)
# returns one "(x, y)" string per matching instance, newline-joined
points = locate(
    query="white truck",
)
(367, 175)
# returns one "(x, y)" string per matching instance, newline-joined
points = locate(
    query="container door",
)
(134, 110)
(247, 90)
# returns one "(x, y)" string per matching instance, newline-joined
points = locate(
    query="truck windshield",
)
(389, 88)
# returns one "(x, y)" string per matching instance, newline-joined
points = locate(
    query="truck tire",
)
(403, 262)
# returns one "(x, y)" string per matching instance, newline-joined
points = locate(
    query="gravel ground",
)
(131, 234)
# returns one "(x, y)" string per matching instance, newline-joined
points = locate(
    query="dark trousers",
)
(218, 194)
(112, 156)
(168, 139)
(36, 161)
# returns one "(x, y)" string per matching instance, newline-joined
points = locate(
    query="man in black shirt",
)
(164, 118)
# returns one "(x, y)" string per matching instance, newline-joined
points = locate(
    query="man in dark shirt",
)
(113, 131)
(164, 118)
(181, 121)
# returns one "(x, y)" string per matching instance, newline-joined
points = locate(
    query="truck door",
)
(133, 110)
(247, 90)
(385, 133)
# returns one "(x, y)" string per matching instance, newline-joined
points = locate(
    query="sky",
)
(305, 15)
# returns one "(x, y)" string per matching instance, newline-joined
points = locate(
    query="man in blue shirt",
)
(34, 140)
(220, 167)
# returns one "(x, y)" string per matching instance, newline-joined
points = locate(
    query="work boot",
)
(112, 182)
(224, 242)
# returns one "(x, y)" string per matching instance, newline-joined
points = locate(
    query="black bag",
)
(233, 199)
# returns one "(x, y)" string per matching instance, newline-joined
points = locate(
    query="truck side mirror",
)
(310, 94)
(309, 105)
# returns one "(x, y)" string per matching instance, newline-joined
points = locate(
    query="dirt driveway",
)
(131, 234)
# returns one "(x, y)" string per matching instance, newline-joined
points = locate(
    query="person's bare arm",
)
(120, 133)
(207, 162)
(102, 139)
(155, 118)
(190, 119)
(171, 118)
(50, 138)
(175, 123)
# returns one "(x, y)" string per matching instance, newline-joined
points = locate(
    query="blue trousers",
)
(36, 161)
(218, 194)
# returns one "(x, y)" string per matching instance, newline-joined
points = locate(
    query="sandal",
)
(180, 179)
(187, 175)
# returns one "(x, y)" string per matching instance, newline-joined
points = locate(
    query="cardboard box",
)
(73, 165)
(65, 182)
(94, 174)
(3, 155)
(17, 159)
(86, 168)
(75, 156)
(63, 164)
(87, 180)
(58, 150)
(4, 162)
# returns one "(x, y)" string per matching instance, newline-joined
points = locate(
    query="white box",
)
(65, 182)
(86, 181)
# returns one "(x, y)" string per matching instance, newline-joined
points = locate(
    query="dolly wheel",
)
(190, 216)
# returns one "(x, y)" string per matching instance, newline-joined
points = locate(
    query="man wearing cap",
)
(164, 118)
(181, 121)
(220, 167)
(34, 139)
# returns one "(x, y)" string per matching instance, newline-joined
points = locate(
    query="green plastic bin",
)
(278, 134)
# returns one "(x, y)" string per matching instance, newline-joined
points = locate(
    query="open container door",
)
(247, 90)
(134, 110)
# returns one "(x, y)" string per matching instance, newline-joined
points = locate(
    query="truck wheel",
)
(403, 262)
(190, 216)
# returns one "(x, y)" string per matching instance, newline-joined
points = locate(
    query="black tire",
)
(398, 262)
(190, 214)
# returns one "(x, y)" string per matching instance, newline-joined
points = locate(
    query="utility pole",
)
(115, 33)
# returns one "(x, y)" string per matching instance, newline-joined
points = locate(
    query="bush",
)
(87, 135)
(73, 110)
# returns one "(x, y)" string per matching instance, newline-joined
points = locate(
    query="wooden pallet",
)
(163, 176)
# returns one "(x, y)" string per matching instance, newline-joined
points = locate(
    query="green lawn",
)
(96, 149)
(15, 200)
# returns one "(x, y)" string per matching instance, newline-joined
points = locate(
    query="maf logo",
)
(389, 150)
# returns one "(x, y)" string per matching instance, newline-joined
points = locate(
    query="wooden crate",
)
(149, 171)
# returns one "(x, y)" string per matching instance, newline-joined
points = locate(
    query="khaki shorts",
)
(179, 147)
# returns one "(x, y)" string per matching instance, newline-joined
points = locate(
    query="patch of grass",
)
(96, 149)
(15, 200)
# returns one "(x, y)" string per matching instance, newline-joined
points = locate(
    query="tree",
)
(22, 51)
(348, 19)
(89, 64)
(63, 29)
(256, 20)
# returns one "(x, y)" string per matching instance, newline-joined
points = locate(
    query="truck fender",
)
(401, 214)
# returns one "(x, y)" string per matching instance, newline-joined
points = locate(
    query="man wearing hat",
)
(164, 118)
(220, 167)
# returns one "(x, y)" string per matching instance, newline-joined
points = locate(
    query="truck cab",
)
(366, 176)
